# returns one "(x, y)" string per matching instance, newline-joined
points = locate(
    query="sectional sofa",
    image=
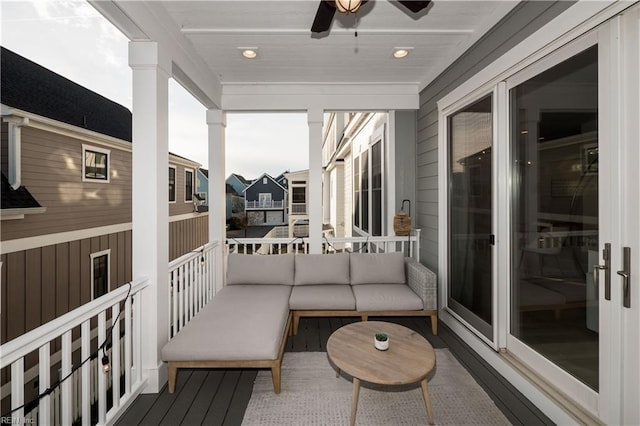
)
(247, 323)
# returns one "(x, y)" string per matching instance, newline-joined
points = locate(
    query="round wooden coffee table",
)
(408, 360)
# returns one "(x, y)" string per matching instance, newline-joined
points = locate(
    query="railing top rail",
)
(191, 255)
(359, 239)
(28, 342)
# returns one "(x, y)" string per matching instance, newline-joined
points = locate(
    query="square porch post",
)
(150, 205)
(217, 123)
(315, 119)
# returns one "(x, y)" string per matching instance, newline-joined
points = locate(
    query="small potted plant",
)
(381, 341)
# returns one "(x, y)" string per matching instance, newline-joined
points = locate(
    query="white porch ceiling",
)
(211, 33)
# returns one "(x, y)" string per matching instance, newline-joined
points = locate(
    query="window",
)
(172, 184)
(264, 199)
(188, 186)
(95, 164)
(264, 180)
(368, 189)
(99, 274)
(364, 190)
(356, 192)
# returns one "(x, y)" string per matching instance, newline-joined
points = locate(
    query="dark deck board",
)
(204, 399)
(220, 397)
(220, 404)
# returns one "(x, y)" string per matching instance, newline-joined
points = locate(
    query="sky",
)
(72, 39)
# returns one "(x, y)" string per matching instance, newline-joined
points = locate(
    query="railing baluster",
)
(137, 340)
(127, 346)
(180, 297)
(102, 388)
(65, 387)
(17, 388)
(85, 372)
(174, 302)
(44, 381)
(189, 284)
(115, 357)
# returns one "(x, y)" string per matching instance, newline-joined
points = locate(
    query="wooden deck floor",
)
(220, 397)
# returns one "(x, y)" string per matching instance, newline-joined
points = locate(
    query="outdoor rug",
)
(312, 395)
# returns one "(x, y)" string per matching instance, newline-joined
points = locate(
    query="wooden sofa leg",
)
(173, 377)
(365, 317)
(296, 323)
(434, 324)
(275, 377)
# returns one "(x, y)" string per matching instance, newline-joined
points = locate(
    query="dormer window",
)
(95, 164)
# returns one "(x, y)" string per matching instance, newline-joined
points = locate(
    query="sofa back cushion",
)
(313, 269)
(377, 268)
(259, 269)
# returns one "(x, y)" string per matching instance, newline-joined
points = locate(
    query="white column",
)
(315, 120)
(217, 122)
(151, 70)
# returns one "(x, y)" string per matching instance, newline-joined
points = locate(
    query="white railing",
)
(191, 285)
(263, 204)
(410, 245)
(81, 382)
(298, 208)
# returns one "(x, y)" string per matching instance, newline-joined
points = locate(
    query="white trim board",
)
(28, 243)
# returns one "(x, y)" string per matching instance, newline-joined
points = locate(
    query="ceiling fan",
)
(327, 8)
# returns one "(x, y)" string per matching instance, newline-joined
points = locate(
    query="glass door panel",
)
(555, 222)
(470, 281)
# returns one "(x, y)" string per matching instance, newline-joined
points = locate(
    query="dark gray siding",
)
(187, 235)
(521, 22)
(405, 158)
(277, 193)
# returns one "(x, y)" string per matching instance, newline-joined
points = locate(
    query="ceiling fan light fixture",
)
(348, 6)
(401, 52)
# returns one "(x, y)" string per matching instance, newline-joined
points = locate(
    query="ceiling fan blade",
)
(324, 16)
(414, 6)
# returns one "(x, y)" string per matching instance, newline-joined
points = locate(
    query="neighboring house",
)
(234, 195)
(237, 182)
(202, 189)
(282, 180)
(365, 178)
(67, 195)
(265, 202)
(297, 205)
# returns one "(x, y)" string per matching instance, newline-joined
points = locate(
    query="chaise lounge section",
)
(247, 323)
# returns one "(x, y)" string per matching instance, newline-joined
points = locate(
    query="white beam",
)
(217, 122)
(328, 97)
(150, 204)
(315, 119)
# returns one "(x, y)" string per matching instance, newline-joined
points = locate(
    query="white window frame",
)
(107, 253)
(193, 187)
(377, 136)
(175, 185)
(92, 148)
(269, 199)
(265, 180)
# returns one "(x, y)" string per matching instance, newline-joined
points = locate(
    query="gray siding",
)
(187, 235)
(41, 284)
(405, 138)
(521, 22)
(52, 172)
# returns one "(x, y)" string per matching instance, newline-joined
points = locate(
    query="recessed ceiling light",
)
(249, 52)
(401, 52)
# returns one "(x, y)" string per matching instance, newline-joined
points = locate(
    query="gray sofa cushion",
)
(321, 269)
(257, 269)
(377, 268)
(322, 297)
(242, 322)
(386, 297)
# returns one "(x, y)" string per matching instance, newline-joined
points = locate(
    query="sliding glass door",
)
(470, 140)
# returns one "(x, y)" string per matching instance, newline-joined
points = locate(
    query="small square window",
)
(95, 164)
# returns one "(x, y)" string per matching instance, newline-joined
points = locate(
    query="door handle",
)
(606, 256)
(626, 277)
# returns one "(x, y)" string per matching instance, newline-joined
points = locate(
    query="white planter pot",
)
(382, 346)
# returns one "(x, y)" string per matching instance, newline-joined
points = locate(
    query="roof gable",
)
(260, 180)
